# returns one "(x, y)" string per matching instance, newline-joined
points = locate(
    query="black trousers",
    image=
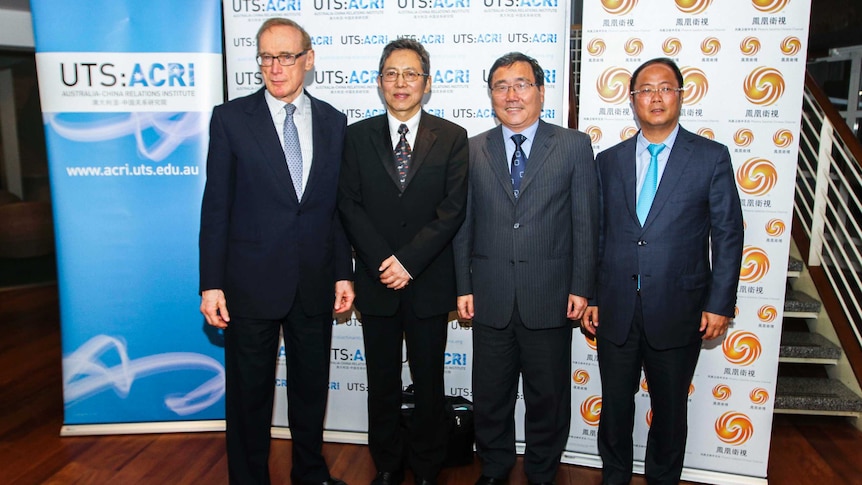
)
(251, 350)
(543, 358)
(668, 373)
(424, 449)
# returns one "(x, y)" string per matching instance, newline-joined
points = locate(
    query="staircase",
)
(812, 369)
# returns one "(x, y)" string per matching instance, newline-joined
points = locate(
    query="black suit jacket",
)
(696, 206)
(415, 224)
(258, 243)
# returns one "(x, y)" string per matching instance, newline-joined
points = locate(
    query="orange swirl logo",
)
(706, 133)
(649, 418)
(692, 7)
(791, 46)
(628, 132)
(721, 392)
(591, 342)
(767, 313)
(671, 46)
(594, 132)
(644, 384)
(741, 347)
(618, 7)
(759, 396)
(581, 377)
(596, 47)
(756, 176)
(775, 227)
(749, 46)
(613, 85)
(782, 138)
(734, 428)
(769, 6)
(743, 137)
(591, 410)
(755, 265)
(764, 86)
(710, 46)
(634, 46)
(695, 83)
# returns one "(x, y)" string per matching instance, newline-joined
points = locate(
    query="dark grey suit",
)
(520, 259)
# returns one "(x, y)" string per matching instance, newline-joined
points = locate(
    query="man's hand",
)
(576, 306)
(392, 274)
(214, 308)
(713, 325)
(590, 320)
(344, 296)
(465, 307)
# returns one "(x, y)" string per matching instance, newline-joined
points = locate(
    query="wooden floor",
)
(805, 450)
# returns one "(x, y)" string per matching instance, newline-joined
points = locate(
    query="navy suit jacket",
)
(415, 224)
(259, 243)
(536, 249)
(696, 206)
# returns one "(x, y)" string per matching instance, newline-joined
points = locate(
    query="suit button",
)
(517, 225)
(634, 277)
(403, 224)
(641, 243)
(512, 262)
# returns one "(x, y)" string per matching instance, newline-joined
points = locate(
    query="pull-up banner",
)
(127, 89)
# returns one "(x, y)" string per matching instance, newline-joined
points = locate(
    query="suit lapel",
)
(626, 165)
(425, 138)
(381, 140)
(261, 127)
(541, 148)
(321, 136)
(673, 172)
(495, 153)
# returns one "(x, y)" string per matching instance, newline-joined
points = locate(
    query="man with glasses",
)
(670, 258)
(402, 198)
(525, 259)
(273, 254)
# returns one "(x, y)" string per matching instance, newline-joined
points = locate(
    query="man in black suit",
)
(272, 250)
(659, 291)
(402, 198)
(525, 260)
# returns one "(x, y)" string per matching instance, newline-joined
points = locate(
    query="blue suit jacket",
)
(697, 204)
(258, 243)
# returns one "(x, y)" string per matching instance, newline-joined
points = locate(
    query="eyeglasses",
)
(503, 89)
(265, 60)
(663, 92)
(409, 76)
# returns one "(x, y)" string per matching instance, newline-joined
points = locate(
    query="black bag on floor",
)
(459, 414)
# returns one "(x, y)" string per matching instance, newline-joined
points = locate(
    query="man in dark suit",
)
(272, 250)
(659, 291)
(402, 198)
(525, 260)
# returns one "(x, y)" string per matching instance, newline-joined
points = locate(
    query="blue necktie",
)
(519, 163)
(402, 155)
(650, 182)
(292, 152)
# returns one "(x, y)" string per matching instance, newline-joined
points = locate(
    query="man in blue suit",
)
(668, 200)
(273, 254)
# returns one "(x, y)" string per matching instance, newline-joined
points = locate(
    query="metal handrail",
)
(828, 205)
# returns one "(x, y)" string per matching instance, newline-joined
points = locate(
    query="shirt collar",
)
(668, 142)
(412, 123)
(529, 132)
(276, 105)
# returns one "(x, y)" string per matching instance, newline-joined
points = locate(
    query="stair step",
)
(799, 305)
(807, 347)
(811, 395)
(794, 267)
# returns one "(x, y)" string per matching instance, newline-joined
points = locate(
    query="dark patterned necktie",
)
(292, 152)
(519, 163)
(402, 155)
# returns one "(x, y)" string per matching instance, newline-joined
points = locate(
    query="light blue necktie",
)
(292, 151)
(650, 182)
(519, 163)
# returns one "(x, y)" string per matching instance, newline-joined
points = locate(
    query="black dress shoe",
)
(485, 480)
(425, 481)
(331, 481)
(540, 483)
(388, 478)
